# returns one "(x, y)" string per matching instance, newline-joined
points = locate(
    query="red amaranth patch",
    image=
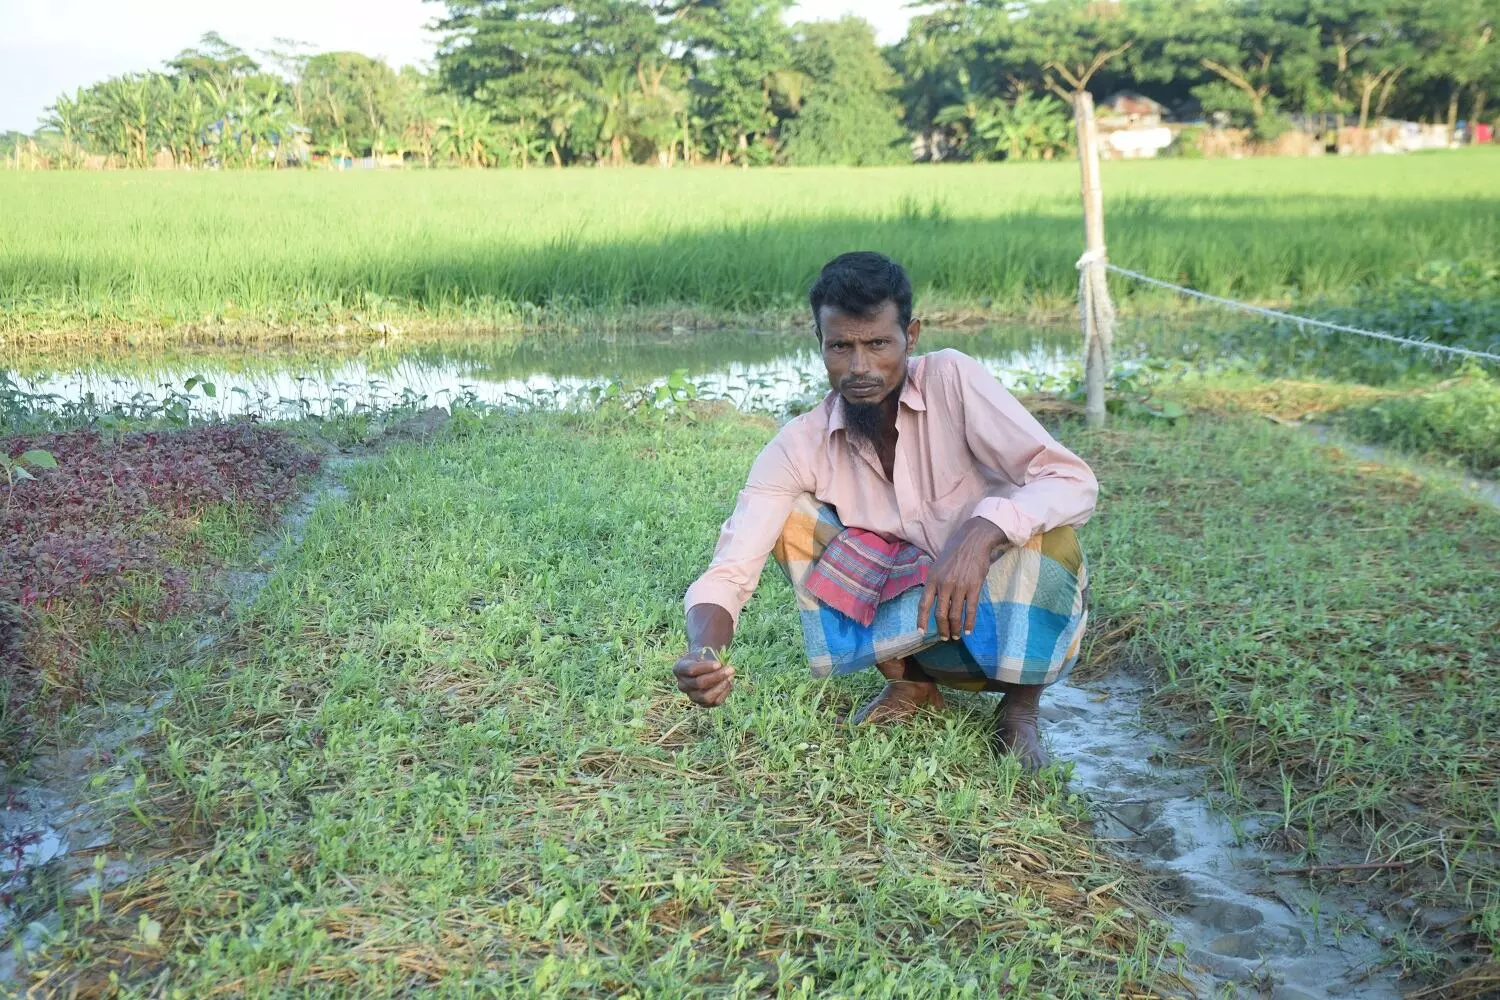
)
(117, 511)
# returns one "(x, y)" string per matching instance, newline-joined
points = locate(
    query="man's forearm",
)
(709, 626)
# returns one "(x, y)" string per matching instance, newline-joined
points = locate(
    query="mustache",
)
(860, 383)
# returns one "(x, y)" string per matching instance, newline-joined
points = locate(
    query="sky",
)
(50, 47)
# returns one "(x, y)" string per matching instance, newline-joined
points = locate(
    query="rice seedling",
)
(215, 255)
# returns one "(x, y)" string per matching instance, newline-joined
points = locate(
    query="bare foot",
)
(1017, 731)
(898, 702)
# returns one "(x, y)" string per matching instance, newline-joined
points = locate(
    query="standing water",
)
(766, 372)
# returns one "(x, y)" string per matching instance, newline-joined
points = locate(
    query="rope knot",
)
(1090, 257)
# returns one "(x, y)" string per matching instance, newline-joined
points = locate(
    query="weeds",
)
(1456, 420)
(443, 755)
(106, 539)
(443, 748)
(1329, 628)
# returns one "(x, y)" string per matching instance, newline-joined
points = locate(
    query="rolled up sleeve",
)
(750, 534)
(1054, 487)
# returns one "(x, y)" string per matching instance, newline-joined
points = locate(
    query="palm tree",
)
(218, 103)
(194, 117)
(120, 112)
(656, 115)
(269, 126)
(557, 121)
(613, 93)
(419, 135)
(963, 118)
(1028, 128)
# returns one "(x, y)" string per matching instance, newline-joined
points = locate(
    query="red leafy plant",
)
(105, 540)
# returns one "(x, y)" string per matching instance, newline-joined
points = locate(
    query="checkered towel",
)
(1028, 627)
(861, 570)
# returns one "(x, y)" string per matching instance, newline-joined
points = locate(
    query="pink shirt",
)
(966, 448)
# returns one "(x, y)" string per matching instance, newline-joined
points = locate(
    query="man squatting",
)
(925, 520)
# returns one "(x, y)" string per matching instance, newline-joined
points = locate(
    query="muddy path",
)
(1247, 932)
(1484, 490)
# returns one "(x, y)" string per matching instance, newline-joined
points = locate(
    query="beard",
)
(868, 420)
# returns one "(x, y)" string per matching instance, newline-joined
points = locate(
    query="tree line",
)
(608, 82)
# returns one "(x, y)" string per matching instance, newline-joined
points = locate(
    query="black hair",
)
(859, 283)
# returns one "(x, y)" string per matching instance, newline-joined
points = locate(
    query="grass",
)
(115, 539)
(1454, 421)
(445, 756)
(441, 751)
(1458, 420)
(1328, 629)
(225, 255)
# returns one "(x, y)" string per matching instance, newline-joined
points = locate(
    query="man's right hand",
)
(704, 678)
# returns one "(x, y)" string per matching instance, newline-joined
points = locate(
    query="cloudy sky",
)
(48, 47)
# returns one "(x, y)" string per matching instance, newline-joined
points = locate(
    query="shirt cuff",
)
(725, 595)
(1003, 513)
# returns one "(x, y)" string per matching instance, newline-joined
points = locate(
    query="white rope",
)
(1089, 258)
(1094, 255)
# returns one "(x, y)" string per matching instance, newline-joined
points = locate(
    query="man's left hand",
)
(954, 582)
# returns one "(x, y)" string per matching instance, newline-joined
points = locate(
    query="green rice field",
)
(82, 252)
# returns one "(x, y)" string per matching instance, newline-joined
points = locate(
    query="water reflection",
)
(754, 371)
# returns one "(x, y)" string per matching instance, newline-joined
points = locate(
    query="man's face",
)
(866, 355)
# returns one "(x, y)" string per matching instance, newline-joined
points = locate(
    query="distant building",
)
(1131, 110)
(1130, 126)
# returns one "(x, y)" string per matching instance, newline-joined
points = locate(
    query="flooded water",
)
(1247, 931)
(762, 371)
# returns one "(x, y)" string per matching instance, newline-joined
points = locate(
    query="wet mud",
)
(57, 817)
(1246, 932)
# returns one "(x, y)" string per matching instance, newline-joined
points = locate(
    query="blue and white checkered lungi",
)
(1028, 629)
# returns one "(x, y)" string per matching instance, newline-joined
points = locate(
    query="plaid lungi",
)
(1033, 609)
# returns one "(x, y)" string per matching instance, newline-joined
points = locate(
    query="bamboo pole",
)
(1096, 311)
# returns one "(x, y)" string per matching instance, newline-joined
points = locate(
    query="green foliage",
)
(449, 714)
(450, 710)
(1324, 628)
(171, 251)
(859, 131)
(741, 77)
(1271, 125)
(726, 81)
(349, 102)
(19, 467)
(1459, 420)
(1250, 61)
(1023, 128)
(848, 115)
(1454, 304)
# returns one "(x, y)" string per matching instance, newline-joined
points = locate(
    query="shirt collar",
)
(911, 394)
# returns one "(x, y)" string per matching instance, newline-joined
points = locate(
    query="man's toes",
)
(897, 703)
(1024, 743)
